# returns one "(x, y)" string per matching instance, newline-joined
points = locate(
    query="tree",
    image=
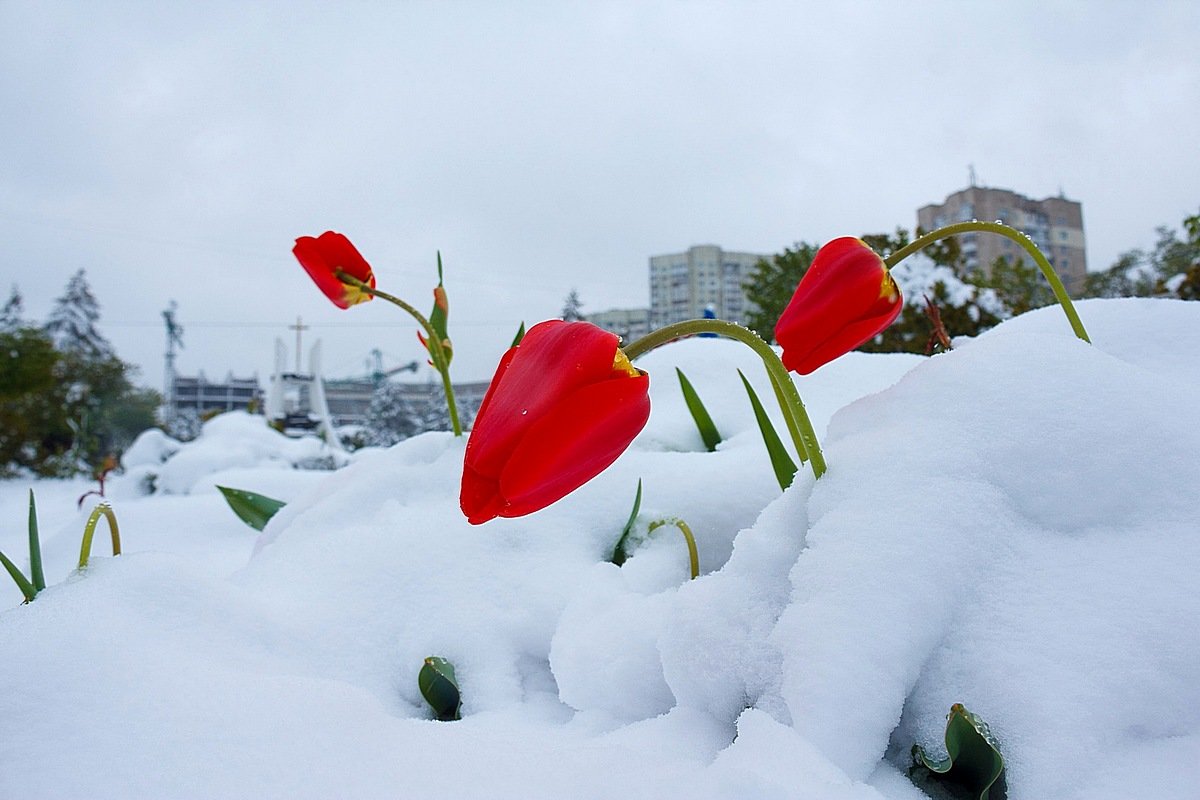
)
(10, 314)
(1019, 285)
(572, 309)
(1171, 269)
(391, 416)
(72, 321)
(33, 430)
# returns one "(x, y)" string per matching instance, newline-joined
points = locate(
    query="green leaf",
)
(619, 555)
(23, 584)
(440, 689)
(708, 431)
(35, 548)
(520, 335)
(254, 509)
(974, 767)
(781, 462)
(438, 317)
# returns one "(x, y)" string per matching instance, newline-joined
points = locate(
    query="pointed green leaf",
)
(520, 335)
(35, 548)
(440, 689)
(974, 767)
(708, 431)
(254, 509)
(22, 582)
(619, 555)
(438, 317)
(781, 462)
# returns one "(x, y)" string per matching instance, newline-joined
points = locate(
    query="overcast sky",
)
(175, 150)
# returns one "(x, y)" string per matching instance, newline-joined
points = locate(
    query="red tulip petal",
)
(554, 359)
(479, 498)
(312, 257)
(573, 442)
(847, 339)
(331, 251)
(844, 299)
(343, 255)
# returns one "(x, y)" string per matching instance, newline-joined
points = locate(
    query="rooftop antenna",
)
(971, 174)
(174, 337)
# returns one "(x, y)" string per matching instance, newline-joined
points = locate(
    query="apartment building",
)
(683, 284)
(1055, 225)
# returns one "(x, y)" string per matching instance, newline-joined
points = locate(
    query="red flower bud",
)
(563, 405)
(323, 256)
(846, 297)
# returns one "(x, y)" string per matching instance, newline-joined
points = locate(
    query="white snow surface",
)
(1011, 525)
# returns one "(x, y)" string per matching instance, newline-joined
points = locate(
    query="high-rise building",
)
(1055, 225)
(628, 323)
(682, 285)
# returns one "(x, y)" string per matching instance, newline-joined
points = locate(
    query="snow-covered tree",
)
(572, 307)
(72, 321)
(391, 417)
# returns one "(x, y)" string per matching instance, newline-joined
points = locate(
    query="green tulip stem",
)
(798, 423)
(436, 352)
(693, 553)
(89, 529)
(1060, 292)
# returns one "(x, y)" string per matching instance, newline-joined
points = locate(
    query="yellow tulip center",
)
(354, 295)
(887, 287)
(623, 365)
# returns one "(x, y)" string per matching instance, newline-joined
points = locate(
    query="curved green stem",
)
(437, 353)
(89, 529)
(799, 425)
(693, 553)
(1060, 292)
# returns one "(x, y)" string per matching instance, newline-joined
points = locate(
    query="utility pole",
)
(174, 337)
(298, 327)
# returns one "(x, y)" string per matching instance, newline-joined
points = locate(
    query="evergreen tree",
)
(1020, 286)
(572, 308)
(391, 416)
(72, 321)
(11, 313)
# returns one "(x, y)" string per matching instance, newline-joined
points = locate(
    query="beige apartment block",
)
(683, 284)
(630, 324)
(1055, 225)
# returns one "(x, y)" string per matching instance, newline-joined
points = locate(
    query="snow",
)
(1011, 525)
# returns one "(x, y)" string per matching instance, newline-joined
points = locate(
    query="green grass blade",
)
(708, 430)
(22, 582)
(35, 547)
(253, 509)
(440, 688)
(620, 556)
(520, 335)
(781, 462)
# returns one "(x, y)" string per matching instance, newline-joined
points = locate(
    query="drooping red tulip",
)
(323, 255)
(846, 297)
(563, 405)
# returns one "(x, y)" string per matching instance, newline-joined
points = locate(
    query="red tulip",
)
(329, 252)
(563, 405)
(846, 297)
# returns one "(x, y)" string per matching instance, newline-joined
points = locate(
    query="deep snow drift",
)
(1011, 525)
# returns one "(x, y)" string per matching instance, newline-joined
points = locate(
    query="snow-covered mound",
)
(1010, 525)
(228, 442)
